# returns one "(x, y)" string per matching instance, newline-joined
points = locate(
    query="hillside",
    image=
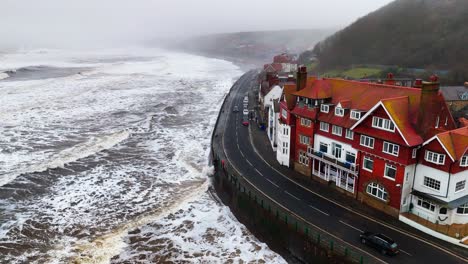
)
(255, 47)
(418, 34)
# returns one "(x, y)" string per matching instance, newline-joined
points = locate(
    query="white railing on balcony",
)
(332, 160)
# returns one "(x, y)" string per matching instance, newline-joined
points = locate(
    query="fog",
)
(96, 23)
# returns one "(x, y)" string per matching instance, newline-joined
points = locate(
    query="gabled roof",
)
(455, 142)
(316, 89)
(397, 110)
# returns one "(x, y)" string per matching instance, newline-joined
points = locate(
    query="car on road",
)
(245, 121)
(246, 99)
(382, 243)
(235, 109)
(246, 112)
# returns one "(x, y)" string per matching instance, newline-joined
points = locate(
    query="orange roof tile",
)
(455, 142)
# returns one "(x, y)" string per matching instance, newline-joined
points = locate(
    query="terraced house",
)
(395, 148)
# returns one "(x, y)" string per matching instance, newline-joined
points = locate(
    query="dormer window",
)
(464, 161)
(324, 108)
(339, 111)
(434, 157)
(356, 115)
(382, 123)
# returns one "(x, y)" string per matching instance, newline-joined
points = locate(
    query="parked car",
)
(245, 121)
(246, 112)
(246, 99)
(236, 109)
(380, 242)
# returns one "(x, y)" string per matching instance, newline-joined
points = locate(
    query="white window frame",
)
(306, 122)
(458, 184)
(390, 166)
(432, 205)
(350, 154)
(390, 148)
(431, 183)
(434, 157)
(323, 144)
(386, 124)
(339, 111)
(364, 163)
(305, 140)
(324, 126)
(464, 161)
(356, 115)
(284, 113)
(365, 138)
(464, 209)
(413, 155)
(379, 189)
(324, 108)
(349, 134)
(337, 130)
(303, 158)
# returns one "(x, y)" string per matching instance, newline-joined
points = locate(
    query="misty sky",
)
(88, 23)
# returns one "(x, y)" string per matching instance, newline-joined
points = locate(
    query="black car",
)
(381, 242)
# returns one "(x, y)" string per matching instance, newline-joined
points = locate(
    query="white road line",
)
(315, 208)
(257, 170)
(355, 228)
(273, 183)
(292, 196)
(406, 252)
(401, 231)
(249, 162)
(242, 154)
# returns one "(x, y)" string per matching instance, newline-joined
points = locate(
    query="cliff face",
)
(408, 33)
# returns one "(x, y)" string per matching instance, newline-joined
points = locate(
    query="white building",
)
(273, 116)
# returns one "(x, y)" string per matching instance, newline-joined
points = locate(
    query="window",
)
(377, 190)
(463, 209)
(339, 111)
(390, 148)
(460, 186)
(349, 134)
(337, 130)
(323, 147)
(443, 211)
(306, 122)
(426, 204)
(433, 157)
(368, 163)
(382, 123)
(350, 157)
(285, 131)
(324, 126)
(304, 140)
(284, 113)
(324, 108)
(303, 159)
(431, 183)
(390, 171)
(367, 141)
(414, 153)
(464, 161)
(355, 115)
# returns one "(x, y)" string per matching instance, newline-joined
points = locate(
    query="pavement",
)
(248, 150)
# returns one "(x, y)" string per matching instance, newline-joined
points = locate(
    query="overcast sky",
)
(57, 23)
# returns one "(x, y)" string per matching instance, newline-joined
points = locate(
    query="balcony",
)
(332, 160)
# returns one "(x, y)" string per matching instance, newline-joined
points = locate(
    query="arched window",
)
(443, 211)
(377, 190)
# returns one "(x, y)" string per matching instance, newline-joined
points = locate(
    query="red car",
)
(245, 121)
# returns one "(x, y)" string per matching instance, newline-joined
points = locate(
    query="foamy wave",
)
(92, 146)
(3, 75)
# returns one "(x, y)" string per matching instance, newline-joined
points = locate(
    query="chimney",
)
(301, 79)
(429, 105)
(390, 80)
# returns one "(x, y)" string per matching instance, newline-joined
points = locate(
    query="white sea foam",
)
(3, 75)
(134, 135)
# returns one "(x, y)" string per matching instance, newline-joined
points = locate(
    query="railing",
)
(332, 160)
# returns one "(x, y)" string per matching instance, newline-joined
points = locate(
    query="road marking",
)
(249, 162)
(257, 170)
(273, 183)
(401, 231)
(355, 228)
(242, 154)
(292, 196)
(406, 252)
(313, 207)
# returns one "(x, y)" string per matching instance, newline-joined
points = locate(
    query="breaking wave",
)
(4, 75)
(79, 151)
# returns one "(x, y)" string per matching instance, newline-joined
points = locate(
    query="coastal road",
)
(327, 214)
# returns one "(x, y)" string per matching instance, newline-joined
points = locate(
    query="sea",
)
(104, 159)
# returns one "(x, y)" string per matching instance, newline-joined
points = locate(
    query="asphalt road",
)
(320, 211)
